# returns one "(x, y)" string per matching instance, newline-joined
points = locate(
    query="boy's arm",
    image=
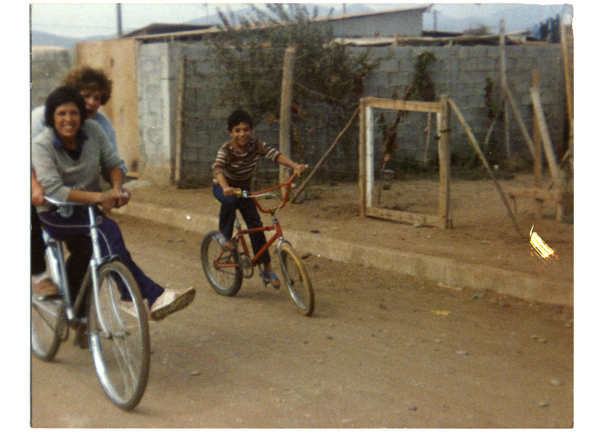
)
(284, 160)
(222, 181)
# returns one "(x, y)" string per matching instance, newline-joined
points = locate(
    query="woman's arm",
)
(37, 191)
(116, 179)
(105, 200)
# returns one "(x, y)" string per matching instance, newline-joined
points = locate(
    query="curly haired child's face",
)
(93, 100)
(240, 134)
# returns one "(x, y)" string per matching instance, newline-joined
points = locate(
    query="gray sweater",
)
(58, 173)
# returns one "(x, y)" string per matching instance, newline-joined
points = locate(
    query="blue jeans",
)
(247, 208)
(75, 230)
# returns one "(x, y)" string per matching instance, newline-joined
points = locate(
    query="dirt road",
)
(380, 351)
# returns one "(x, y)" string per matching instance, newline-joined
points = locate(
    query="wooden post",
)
(285, 115)
(567, 49)
(537, 154)
(545, 136)
(338, 138)
(485, 164)
(180, 122)
(520, 120)
(444, 158)
(362, 159)
(504, 85)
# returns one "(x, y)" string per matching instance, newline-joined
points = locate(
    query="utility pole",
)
(119, 21)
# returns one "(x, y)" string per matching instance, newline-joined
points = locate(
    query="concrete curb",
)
(446, 272)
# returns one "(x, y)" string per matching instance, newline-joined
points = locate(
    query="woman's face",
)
(67, 121)
(93, 100)
(240, 134)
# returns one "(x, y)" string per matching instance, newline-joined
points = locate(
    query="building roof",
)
(157, 28)
(373, 13)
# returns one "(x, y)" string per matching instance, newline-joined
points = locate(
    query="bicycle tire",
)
(119, 335)
(225, 281)
(296, 279)
(47, 316)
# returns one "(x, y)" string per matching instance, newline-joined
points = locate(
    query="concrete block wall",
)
(48, 67)
(459, 72)
(157, 76)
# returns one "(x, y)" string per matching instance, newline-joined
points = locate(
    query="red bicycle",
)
(226, 269)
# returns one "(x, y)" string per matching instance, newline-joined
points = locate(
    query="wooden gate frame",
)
(366, 178)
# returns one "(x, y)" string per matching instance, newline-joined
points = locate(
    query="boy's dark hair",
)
(60, 96)
(237, 117)
(88, 78)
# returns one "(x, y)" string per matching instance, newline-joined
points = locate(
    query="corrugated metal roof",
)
(373, 13)
(157, 28)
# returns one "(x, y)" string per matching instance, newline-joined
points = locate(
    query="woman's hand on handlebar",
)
(108, 201)
(122, 196)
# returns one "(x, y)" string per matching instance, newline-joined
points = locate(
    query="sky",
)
(85, 19)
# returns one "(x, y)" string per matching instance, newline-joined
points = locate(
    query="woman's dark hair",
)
(237, 117)
(88, 78)
(60, 96)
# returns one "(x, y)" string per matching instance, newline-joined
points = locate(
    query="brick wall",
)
(459, 71)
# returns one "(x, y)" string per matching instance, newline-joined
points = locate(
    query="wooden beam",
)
(504, 85)
(362, 159)
(337, 140)
(537, 154)
(401, 105)
(405, 217)
(285, 110)
(485, 163)
(520, 121)
(180, 122)
(444, 161)
(538, 111)
(536, 193)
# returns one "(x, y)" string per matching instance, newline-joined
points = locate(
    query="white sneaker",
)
(171, 301)
(129, 308)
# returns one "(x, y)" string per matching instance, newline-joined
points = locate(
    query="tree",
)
(251, 55)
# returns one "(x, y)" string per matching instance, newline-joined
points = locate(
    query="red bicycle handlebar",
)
(287, 185)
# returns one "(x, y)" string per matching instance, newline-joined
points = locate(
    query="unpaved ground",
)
(482, 233)
(380, 351)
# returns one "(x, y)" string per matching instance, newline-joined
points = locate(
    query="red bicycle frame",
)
(239, 236)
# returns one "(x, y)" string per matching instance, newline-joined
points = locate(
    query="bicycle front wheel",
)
(220, 267)
(119, 337)
(47, 317)
(297, 279)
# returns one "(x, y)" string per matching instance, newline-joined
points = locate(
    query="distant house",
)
(397, 22)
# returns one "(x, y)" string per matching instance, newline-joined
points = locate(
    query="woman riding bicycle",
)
(68, 157)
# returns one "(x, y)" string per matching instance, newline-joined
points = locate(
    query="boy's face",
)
(240, 134)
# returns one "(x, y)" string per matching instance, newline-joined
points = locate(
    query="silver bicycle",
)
(115, 317)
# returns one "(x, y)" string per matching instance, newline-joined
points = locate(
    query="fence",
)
(461, 72)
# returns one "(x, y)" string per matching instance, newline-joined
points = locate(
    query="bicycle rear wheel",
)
(47, 317)
(119, 337)
(297, 279)
(226, 281)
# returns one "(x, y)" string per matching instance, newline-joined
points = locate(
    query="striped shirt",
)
(238, 168)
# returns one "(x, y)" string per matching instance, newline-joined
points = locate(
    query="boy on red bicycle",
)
(233, 169)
